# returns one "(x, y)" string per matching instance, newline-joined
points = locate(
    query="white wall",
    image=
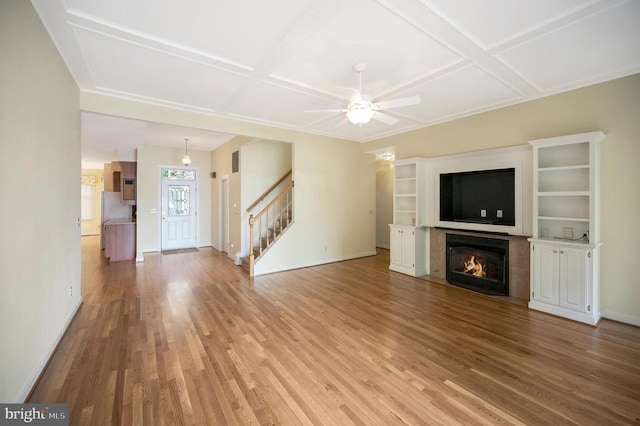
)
(612, 107)
(150, 158)
(40, 193)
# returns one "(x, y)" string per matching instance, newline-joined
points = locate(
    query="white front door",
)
(178, 214)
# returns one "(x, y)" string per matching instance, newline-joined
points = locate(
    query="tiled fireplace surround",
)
(519, 157)
(518, 260)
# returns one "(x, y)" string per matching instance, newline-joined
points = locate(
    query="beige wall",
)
(40, 192)
(614, 108)
(384, 202)
(334, 201)
(92, 227)
(221, 164)
(334, 207)
(150, 158)
(262, 164)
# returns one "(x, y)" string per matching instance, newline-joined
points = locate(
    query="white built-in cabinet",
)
(409, 250)
(566, 226)
(409, 233)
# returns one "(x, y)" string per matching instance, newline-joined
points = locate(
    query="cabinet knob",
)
(561, 251)
(555, 251)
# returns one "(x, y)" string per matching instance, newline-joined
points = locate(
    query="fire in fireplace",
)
(478, 263)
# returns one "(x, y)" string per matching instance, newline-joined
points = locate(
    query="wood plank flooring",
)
(190, 339)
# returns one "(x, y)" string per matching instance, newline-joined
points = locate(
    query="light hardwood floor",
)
(190, 339)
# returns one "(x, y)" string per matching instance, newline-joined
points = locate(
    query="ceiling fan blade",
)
(327, 110)
(384, 118)
(395, 103)
(342, 123)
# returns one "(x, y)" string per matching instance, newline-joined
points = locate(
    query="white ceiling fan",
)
(362, 109)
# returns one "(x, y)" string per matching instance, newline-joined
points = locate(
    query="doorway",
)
(179, 208)
(224, 214)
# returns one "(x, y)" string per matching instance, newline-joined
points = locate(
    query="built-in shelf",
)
(409, 234)
(565, 245)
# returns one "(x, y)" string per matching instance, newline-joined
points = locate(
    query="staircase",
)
(268, 225)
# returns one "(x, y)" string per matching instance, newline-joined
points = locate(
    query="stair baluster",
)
(273, 224)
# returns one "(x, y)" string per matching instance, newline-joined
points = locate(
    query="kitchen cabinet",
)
(120, 239)
(128, 182)
(409, 248)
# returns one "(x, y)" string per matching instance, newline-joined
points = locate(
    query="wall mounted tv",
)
(486, 196)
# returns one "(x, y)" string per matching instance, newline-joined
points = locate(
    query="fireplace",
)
(478, 263)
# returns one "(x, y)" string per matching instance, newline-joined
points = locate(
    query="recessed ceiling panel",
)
(459, 93)
(276, 104)
(599, 47)
(159, 134)
(363, 31)
(138, 71)
(238, 30)
(492, 22)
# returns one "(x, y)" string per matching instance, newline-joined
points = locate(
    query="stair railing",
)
(271, 221)
(268, 191)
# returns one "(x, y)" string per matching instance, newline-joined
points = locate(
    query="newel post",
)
(251, 257)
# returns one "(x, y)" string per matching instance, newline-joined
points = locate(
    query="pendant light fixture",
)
(186, 160)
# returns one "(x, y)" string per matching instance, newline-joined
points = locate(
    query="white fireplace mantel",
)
(518, 157)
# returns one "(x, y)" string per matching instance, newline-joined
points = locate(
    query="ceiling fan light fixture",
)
(360, 116)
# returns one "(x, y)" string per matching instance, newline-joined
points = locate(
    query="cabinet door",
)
(408, 248)
(545, 274)
(572, 279)
(396, 246)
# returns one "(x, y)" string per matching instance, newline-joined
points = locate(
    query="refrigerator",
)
(112, 208)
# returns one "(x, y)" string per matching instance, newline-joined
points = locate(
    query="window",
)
(88, 197)
(181, 174)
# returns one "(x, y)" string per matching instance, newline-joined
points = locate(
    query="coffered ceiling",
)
(270, 62)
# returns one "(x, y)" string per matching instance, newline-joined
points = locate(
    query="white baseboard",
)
(384, 246)
(621, 318)
(323, 262)
(39, 368)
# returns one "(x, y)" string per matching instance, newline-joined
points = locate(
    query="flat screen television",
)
(486, 196)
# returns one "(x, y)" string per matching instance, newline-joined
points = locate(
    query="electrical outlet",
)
(70, 291)
(567, 232)
(483, 213)
(498, 213)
